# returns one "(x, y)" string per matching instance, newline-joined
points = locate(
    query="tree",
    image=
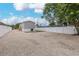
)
(65, 13)
(17, 26)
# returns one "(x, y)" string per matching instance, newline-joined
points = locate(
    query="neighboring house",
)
(2, 23)
(27, 26)
(4, 29)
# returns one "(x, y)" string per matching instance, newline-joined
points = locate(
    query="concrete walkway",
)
(38, 43)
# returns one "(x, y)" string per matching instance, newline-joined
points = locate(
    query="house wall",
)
(27, 26)
(65, 30)
(4, 29)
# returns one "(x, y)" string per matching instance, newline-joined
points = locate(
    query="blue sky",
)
(7, 8)
(12, 13)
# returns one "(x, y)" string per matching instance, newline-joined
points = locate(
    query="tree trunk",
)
(76, 23)
(77, 29)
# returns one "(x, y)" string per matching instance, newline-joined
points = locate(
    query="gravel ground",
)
(17, 43)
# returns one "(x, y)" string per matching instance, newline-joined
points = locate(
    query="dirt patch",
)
(38, 43)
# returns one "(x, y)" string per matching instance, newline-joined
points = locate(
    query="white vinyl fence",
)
(4, 30)
(65, 30)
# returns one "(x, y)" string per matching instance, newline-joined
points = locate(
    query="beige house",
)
(27, 26)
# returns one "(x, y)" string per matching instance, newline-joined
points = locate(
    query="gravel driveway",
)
(17, 43)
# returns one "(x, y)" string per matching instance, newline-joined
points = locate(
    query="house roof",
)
(1, 23)
(27, 21)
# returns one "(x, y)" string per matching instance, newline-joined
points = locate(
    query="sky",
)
(12, 13)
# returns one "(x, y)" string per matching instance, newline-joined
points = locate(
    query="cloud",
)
(14, 20)
(42, 22)
(38, 11)
(11, 20)
(38, 7)
(39, 21)
(19, 6)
